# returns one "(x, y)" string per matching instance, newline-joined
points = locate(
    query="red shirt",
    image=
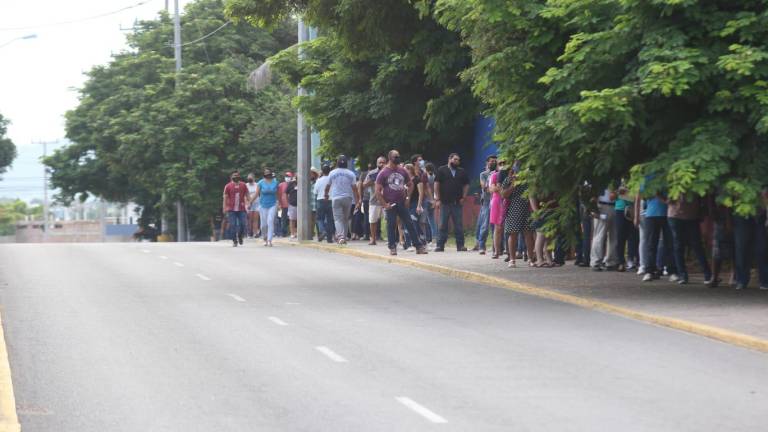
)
(282, 196)
(235, 195)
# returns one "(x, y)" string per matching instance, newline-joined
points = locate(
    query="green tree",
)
(7, 148)
(140, 135)
(599, 89)
(381, 75)
(14, 211)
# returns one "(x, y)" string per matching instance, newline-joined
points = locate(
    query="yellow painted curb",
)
(733, 338)
(9, 421)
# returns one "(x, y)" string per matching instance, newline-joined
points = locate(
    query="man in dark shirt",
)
(451, 187)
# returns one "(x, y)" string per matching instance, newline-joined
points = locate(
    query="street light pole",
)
(29, 36)
(181, 218)
(304, 160)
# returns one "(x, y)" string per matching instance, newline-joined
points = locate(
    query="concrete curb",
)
(727, 336)
(9, 421)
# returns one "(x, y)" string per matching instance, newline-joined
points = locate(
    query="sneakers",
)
(482, 252)
(674, 278)
(421, 251)
(461, 249)
(411, 249)
(393, 251)
(597, 268)
(740, 286)
(648, 277)
(764, 287)
(641, 270)
(439, 249)
(476, 248)
(234, 243)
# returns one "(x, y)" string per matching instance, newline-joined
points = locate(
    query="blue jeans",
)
(686, 234)
(325, 219)
(237, 222)
(659, 252)
(416, 226)
(432, 226)
(751, 243)
(399, 211)
(453, 212)
(483, 224)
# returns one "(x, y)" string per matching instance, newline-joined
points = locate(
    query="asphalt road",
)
(205, 337)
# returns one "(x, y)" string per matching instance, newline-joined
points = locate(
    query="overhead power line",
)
(202, 38)
(78, 20)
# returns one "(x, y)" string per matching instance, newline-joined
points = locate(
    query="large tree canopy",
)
(7, 148)
(381, 75)
(140, 134)
(669, 90)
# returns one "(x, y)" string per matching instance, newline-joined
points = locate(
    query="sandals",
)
(511, 264)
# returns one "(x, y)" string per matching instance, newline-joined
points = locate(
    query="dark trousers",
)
(453, 212)
(283, 222)
(750, 244)
(686, 234)
(584, 244)
(237, 221)
(325, 219)
(417, 231)
(628, 238)
(654, 227)
(399, 211)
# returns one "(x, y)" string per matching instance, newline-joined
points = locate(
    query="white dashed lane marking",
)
(421, 410)
(236, 297)
(178, 264)
(278, 321)
(331, 355)
(203, 277)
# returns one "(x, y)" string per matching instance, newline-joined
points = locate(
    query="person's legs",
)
(264, 216)
(339, 218)
(366, 222)
(761, 250)
(611, 254)
(457, 215)
(693, 236)
(668, 248)
(272, 213)
(498, 236)
(539, 245)
(443, 230)
(242, 220)
(485, 218)
(432, 231)
(391, 216)
(232, 226)
(679, 237)
(621, 232)
(642, 244)
(598, 242)
(586, 229)
(410, 226)
(653, 229)
(530, 241)
(511, 242)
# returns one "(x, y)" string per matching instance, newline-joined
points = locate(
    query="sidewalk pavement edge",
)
(9, 421)
(723, 335)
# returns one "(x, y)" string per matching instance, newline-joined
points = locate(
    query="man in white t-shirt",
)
(342, 192)
(375, 208)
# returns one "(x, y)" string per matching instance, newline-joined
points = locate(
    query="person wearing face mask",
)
(234, 206)
(324, 209)
(343, 194)
(484, 218)
(375, 207)
(253, 207)
(431, 231)
(266, 193)
(451, 187)
(416, 208)
(393, 189)
(282, 202)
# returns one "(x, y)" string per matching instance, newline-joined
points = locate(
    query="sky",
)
(39, 77)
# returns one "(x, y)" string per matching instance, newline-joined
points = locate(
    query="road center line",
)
(421, 410)
(163, 257)
(178, 264)
(278, 321)
(145, 250)
(236, 297)
(331, 355)
(203, 277)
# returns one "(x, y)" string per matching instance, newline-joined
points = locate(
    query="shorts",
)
(292, 213)
(374, 213)
(254, 206)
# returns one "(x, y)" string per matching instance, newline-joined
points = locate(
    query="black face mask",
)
(235, 179)
(268, 176)
(454, 165)
(492, 167)
(396, 160)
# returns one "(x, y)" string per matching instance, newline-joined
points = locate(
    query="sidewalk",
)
(744, 312)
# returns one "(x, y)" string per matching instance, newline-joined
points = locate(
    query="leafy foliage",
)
(381, 75)
(15, 211)
(140, 134)
(7, 148)
(596, 90)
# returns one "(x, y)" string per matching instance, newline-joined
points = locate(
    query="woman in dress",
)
(517, 219)
(498, 208)
(253, 207)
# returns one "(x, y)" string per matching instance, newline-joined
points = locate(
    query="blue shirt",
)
(268, 193)
(655, 207)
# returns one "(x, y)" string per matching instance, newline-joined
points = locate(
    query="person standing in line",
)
(234, 206)
(363, 223)
(292, 192)
(684, 218)
(342, 193)
(517, 220)
(604, 235)
(282, 201)
(266, 193)
(484, 219)
(431, 231)
(376, 207)
(393, 189)
(497, 208)
(324, 207)
(626, 234)
(253, 207)
(451, 187)
(314, 175)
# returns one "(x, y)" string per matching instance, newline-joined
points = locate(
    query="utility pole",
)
(46, 207)
(304, 160)
(181, 218)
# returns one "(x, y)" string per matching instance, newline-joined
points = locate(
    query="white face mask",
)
(287, 179)
(422, 164)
